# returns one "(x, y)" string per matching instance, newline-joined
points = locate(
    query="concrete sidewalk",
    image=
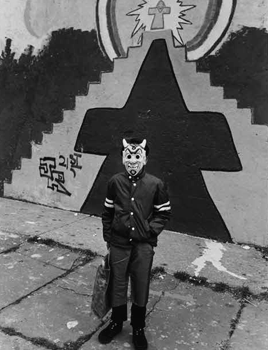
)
(204, 294)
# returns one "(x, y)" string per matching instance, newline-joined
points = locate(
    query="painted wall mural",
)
(200, 29)
(35, 90)
(243, 79)
(171, 71)
(182, 143)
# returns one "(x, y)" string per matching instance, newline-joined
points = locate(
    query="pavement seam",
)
(46, 241)
(48, 344)
(72, 290)
(52, 229)
(60, 227)
(42, 341)
(242, 294)
(238, 292)
(11, 250)
(36, 341)
(225, 344)
(76, 345)
(18, 301)
(66, 273)
(242, 297)
(51, 243)
(235, 321)
(47, 263)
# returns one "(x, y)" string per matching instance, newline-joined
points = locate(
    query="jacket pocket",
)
(115, 223)
(119, 225)
(143, 229)
(147, 226)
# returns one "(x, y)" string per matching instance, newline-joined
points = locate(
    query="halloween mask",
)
(134, 157)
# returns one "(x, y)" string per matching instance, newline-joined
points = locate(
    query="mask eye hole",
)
(128, 156)
(137, 156)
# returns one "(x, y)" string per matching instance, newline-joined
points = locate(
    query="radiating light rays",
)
(159, 15)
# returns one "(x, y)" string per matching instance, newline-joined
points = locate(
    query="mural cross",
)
(158, 12)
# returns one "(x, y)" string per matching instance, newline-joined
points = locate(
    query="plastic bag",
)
(101, 301)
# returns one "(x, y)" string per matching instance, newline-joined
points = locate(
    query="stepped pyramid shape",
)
(240, 197)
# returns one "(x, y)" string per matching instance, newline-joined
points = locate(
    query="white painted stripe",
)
(109, 200)
(108, 205)
(164, 209)
(162, 205)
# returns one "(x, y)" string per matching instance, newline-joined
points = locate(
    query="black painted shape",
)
(181, 143)
(34, 90)
(241, 68)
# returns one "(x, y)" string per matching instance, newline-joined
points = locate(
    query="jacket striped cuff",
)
(163, 207)
(109, 203)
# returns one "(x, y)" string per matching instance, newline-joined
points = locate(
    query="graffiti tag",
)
(55, 177)
(71, 162)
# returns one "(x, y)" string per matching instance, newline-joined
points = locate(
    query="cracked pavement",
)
(49, 259)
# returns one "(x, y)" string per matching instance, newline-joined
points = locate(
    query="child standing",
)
(136, 210)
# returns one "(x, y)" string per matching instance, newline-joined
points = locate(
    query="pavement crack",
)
(51, 243)
(239, 293)
(226, 344)
(174, 288)
(11, 250)
(36, 341)
(83, 339)
(78, 262)
(18, 301)
(235, 321)
(155, 304)
(72, 290)
(64, 225)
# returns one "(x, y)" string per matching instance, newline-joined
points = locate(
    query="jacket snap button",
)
(132, 199)
(133, 228)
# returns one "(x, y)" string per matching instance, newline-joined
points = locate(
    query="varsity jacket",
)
(136, 209)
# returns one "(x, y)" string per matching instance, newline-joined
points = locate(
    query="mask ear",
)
(143, 144)
(125, 144)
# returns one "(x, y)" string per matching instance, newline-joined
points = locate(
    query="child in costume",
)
(136, 210)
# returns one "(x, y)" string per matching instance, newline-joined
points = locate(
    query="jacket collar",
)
(137, 177)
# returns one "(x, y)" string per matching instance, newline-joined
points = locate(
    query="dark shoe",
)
(108, 333)
(139, 340)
